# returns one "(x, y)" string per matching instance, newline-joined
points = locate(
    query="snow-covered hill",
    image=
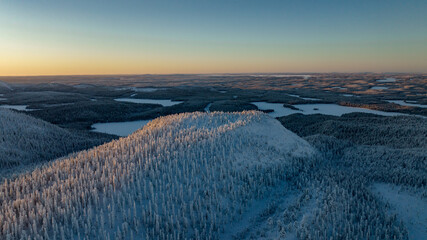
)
(25, 140)
(181, 176)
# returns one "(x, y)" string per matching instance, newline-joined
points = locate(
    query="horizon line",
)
(222, 73)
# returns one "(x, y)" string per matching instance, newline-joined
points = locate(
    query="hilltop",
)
(181, 176)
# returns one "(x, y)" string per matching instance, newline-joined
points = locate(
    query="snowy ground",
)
(409, 207)
(164, 103)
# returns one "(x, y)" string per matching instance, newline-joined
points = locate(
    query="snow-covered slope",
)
(181, 176)
(25, 140)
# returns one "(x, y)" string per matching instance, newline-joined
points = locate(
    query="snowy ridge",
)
(24, 140)
(181, 176)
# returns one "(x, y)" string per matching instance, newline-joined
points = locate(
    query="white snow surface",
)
(182, 176)
(327, 109)
(163, 102)
(409, 207)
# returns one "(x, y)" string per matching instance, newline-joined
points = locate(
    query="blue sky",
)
(102, 37)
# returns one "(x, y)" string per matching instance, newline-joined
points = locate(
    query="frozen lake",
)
(119, 128)
(403, 103)
(328, 109)
(379, 88)
(387, 80)
(145, 89)
(163, 102)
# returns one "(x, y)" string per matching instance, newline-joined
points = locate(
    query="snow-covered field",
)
(119, 128)
(409, 207)
(328, 109)
(163, 102)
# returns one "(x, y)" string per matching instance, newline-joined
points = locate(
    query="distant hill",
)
(181, 176)
(25, 140)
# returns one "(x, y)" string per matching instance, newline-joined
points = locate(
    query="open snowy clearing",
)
(163, 102)
(411, 209)
(327, 109)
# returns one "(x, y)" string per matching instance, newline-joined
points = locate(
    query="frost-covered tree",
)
(181, 176)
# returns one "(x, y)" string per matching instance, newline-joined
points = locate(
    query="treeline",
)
(362, 128)
(357, 150)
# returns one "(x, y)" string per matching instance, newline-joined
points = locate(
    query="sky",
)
(59, 37)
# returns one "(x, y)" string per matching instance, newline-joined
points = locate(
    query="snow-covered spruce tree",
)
(181, 176)
(25, 140)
